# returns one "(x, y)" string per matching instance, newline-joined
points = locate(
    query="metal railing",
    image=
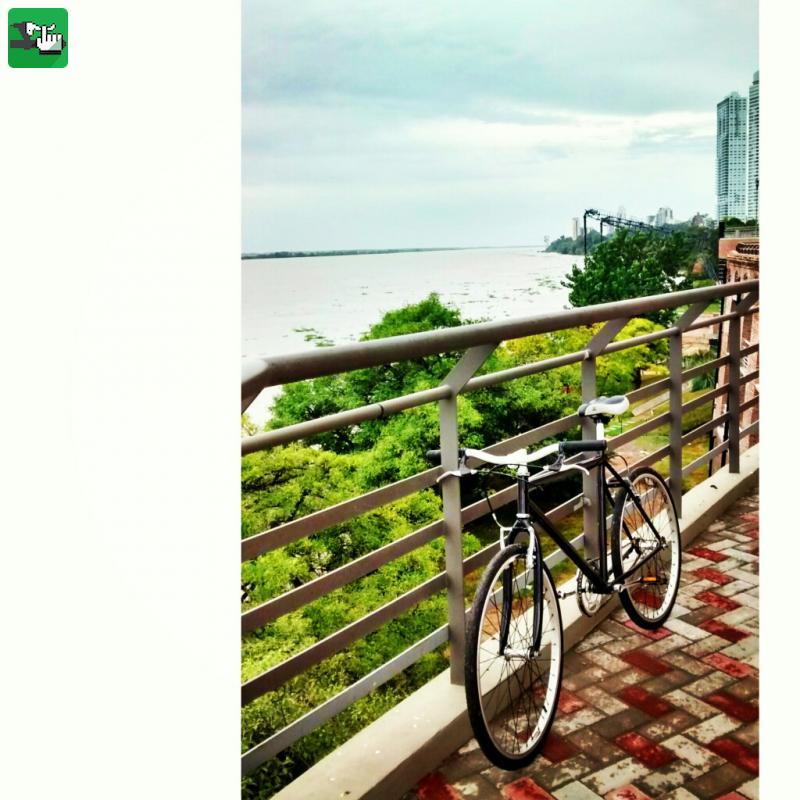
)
(477, 342)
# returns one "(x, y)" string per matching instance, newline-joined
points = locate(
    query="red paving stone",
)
(557, 749)
(646, 597)
(656, 635)
(435, 787)
(713, 575)
(645, 662)
(525, 789)
(709, 555)
(645, 701)
(629, 792)
(724, 631)
(718, 601)
(649, 753)
(568, 703)
(737, 669)
(733, 706)
(736, 753)
(649, 695)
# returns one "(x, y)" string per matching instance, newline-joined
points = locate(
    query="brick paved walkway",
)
(669, 714)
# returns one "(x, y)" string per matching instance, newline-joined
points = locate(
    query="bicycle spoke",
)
(515, 685)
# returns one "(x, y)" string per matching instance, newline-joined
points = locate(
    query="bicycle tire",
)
(490, 721)
(646, 603)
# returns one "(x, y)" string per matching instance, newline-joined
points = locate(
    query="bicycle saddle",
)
(604, 406)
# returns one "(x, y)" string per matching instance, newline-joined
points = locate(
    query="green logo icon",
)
(37, 38)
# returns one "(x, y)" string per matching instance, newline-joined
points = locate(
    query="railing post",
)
(734, 382)
(591, 545)
(451, 504)
(676, 420)
(735, 378)
(676, 401)
(593, 504)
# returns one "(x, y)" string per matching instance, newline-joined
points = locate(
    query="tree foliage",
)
(633, 264)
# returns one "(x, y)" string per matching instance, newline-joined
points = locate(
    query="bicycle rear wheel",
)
(651, 589)
(512, 695)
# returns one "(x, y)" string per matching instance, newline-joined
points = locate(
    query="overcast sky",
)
(408, 124)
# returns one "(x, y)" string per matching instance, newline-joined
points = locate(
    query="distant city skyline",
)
(412, 125)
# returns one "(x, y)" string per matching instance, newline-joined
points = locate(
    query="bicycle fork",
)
(533, 569)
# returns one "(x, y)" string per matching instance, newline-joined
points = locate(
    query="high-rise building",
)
(752, 151)
(664, 216)
(576, 227)
(732, 156)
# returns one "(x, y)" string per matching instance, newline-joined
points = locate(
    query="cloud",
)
(565, 130)
(376, 123)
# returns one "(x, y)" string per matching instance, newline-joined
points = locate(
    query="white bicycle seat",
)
(604, 406)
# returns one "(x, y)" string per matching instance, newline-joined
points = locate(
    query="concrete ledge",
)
(389, 756)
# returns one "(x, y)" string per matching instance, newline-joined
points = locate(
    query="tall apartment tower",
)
(732, 156)
(752, 152)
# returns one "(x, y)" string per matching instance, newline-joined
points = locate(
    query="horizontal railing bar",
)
(300, 430)
(748, 404)
(704, 398)
(639, 430)
(748, 351)
(751, 376)
(704, 459)
(341, 419)
(706, 366)
(534, 435)
(481, 558)
(652, 458)
(557, 556)
(309, 722)
(503, 375)
(635, 341)
(749, 430)
(706, 323)
(257, 373)
(289, 532)
(704, 428)
(335, 579)
(276, 676)
(644, 392)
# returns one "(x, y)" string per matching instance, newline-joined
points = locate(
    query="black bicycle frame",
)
(528, 512)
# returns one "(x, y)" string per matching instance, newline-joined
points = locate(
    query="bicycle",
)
(514, 636)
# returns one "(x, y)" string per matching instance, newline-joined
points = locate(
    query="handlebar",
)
(516, 458)
(592, 445)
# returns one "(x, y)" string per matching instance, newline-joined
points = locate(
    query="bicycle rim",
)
(652, 587)
(513, 695)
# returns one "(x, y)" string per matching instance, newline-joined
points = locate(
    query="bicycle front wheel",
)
(646, 548)
(512, 692)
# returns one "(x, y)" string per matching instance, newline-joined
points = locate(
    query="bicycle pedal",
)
(563, 595)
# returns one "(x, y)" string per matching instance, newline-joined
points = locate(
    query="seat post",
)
(600, 430)
(590, 494)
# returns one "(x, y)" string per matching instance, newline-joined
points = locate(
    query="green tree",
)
(632, 264)
(321, 396)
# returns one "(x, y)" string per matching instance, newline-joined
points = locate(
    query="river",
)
(291, 304)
